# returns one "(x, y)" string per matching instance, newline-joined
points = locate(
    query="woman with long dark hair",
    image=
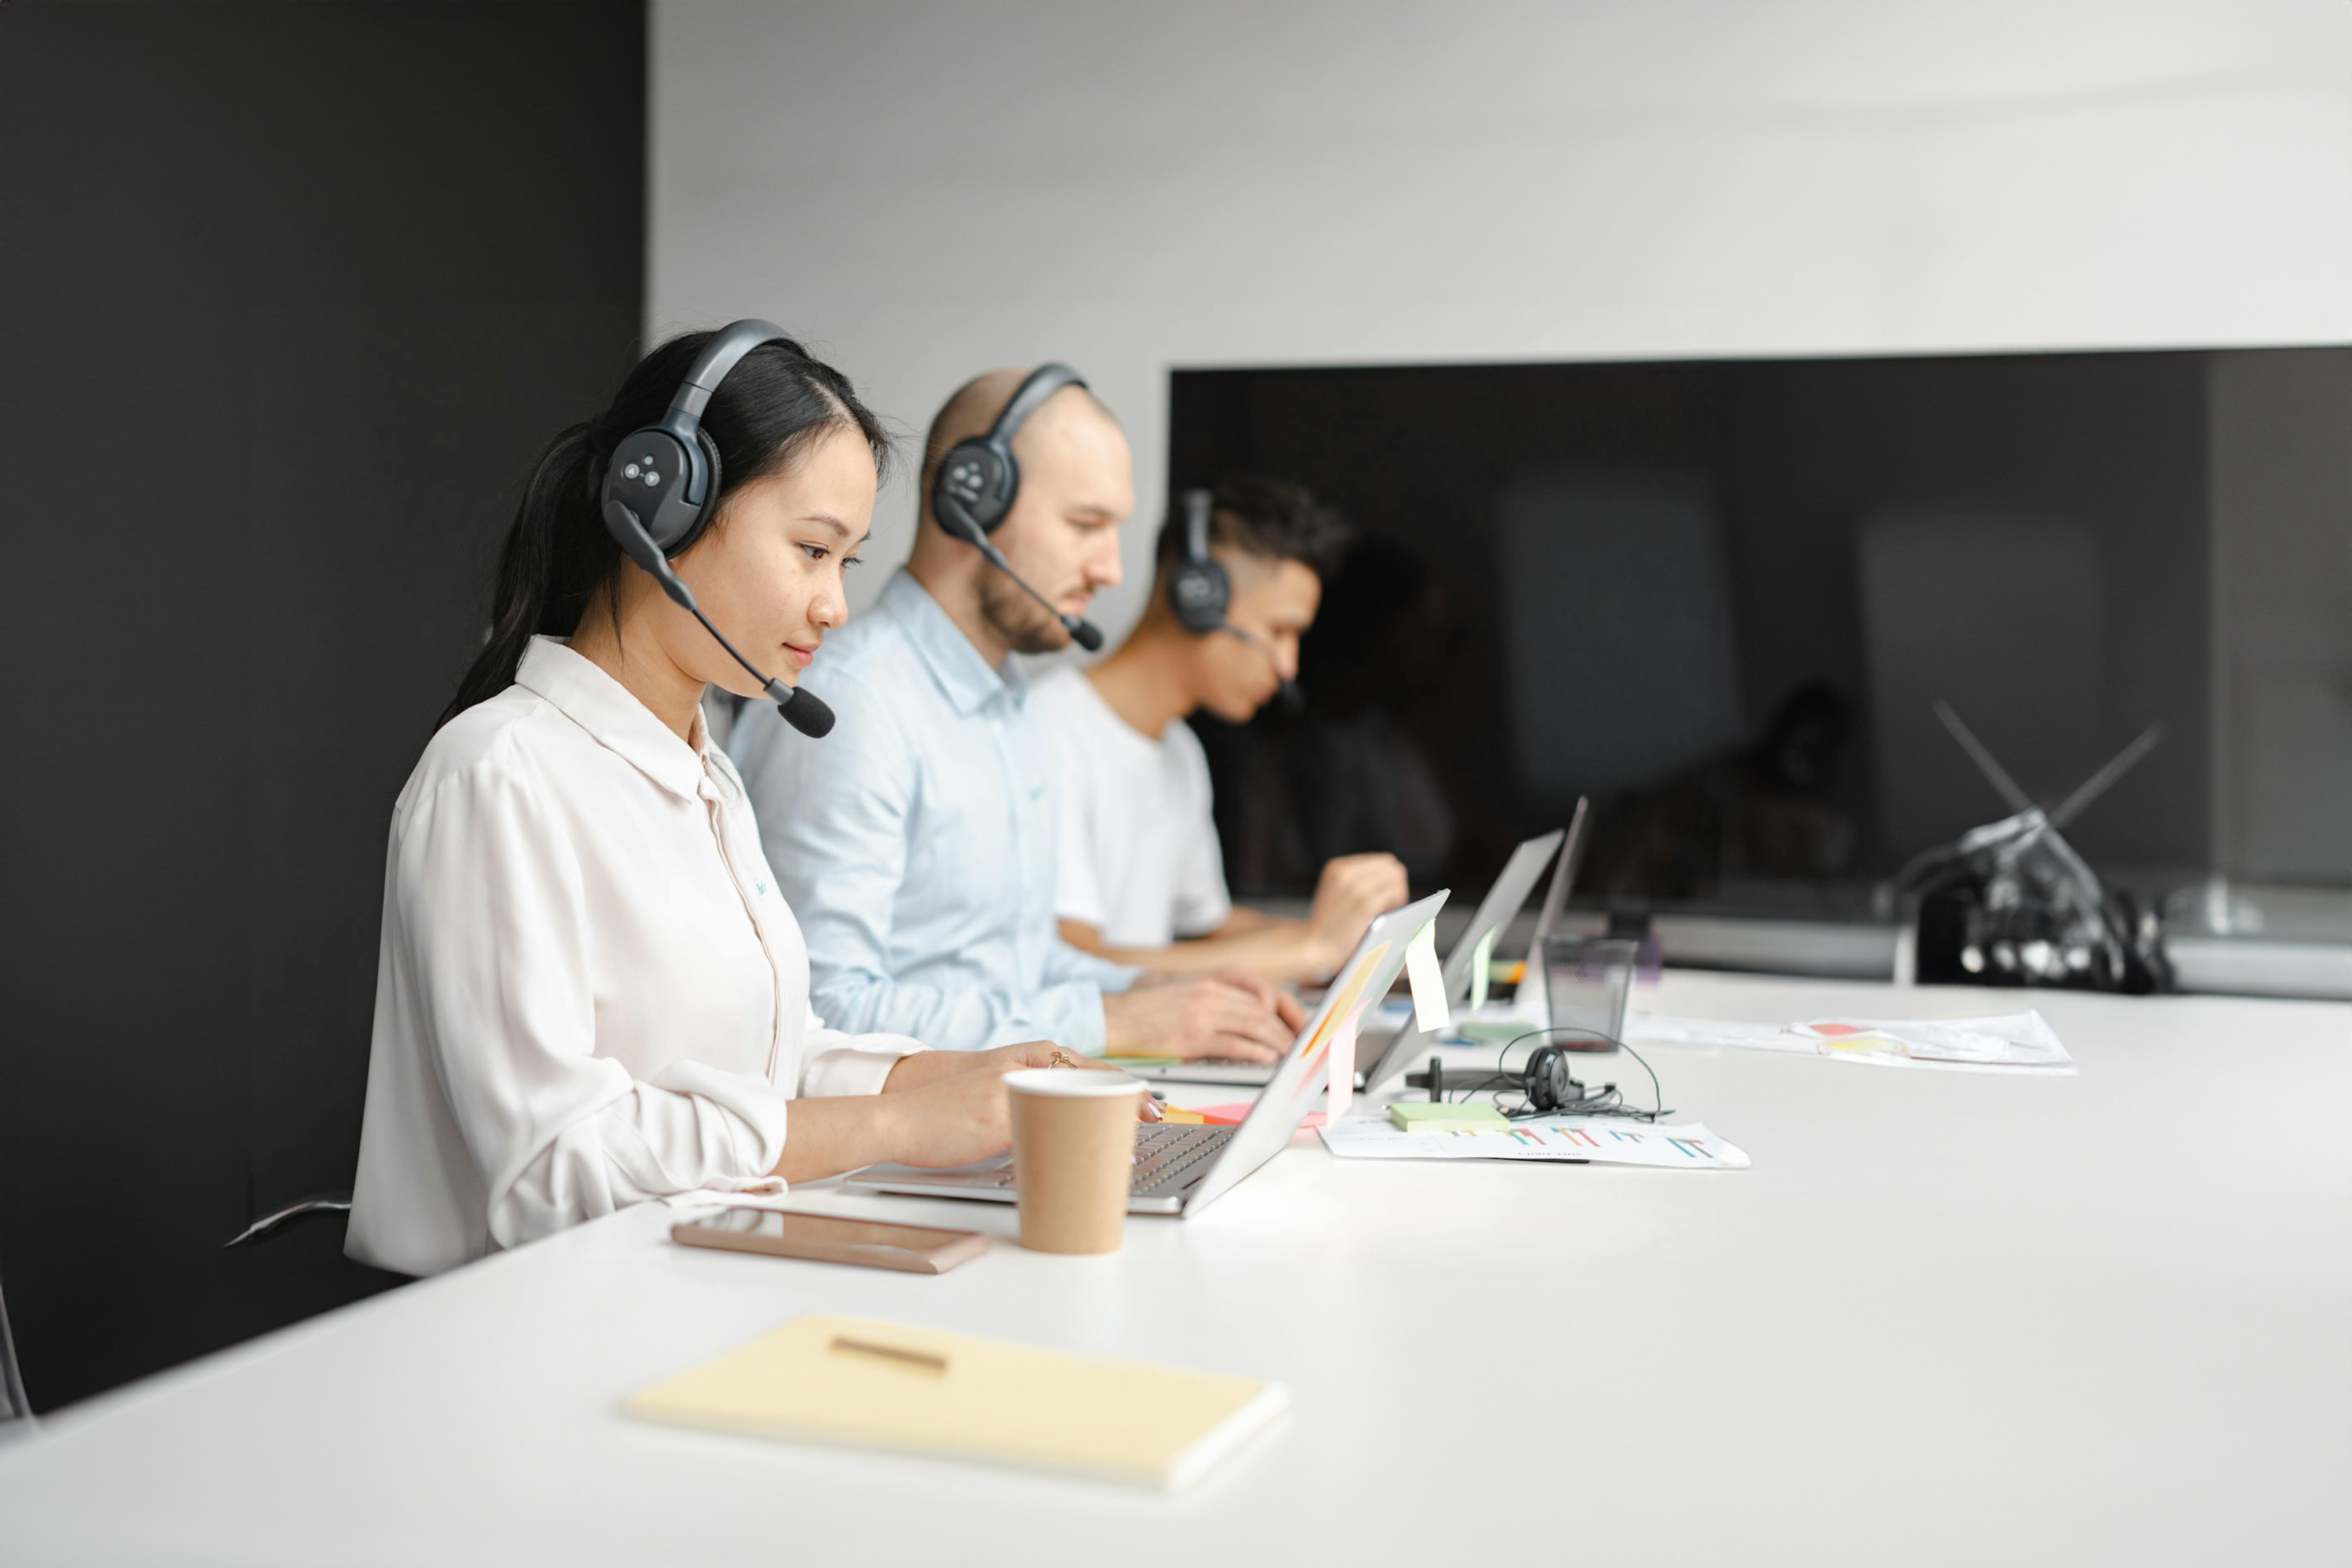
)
(590, 992)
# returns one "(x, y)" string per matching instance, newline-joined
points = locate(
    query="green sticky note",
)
(1412, 1114)
(1481, 964)
(1132, 1062)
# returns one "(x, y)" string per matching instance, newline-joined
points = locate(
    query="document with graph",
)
(1577, 1140)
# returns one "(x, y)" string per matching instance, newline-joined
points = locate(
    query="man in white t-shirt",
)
(1140, 874)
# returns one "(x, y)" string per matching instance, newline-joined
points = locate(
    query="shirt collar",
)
(964, 677)
(612, 714)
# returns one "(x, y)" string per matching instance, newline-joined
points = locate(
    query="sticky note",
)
(1880, 1044)
(1482, 968)
(1430, 1014)
(1343, 1066)
(1412, 1114)
(1236, 1114)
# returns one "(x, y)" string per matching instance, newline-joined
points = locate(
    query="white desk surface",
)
(1947, 1317)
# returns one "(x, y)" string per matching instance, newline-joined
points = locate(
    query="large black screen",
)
(1723, 598)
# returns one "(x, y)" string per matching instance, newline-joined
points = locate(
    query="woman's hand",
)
(952, 1107)
(962, 1116)
(953, 1119)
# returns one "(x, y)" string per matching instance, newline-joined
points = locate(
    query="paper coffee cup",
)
(1073, 1156)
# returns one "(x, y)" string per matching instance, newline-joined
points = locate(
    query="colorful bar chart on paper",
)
(1591, 1139)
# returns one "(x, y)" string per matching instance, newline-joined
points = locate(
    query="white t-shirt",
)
(1138, 855)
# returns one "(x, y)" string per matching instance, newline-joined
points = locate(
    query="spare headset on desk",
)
(1547, 1086)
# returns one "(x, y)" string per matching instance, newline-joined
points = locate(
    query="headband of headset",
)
(977, 480)
(667, 473)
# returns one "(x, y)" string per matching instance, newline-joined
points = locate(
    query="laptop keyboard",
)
(1164, 1154)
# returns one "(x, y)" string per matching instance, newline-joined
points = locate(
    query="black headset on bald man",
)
(979, 478)
(661, 489)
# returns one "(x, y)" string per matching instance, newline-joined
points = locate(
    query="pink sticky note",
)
(1232, 1115)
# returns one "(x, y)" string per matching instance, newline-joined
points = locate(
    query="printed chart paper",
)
(2010, 1043)
(1582, 1140)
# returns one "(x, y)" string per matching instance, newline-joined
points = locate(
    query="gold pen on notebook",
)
(924, 1359)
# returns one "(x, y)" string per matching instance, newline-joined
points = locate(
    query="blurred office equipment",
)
(14, 1406)
(1721, 596)
(2010, 903)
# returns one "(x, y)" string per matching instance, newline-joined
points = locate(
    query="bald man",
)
(916, 843)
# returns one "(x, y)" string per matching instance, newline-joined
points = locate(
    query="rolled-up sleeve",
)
(493, 959)
(833, 1062)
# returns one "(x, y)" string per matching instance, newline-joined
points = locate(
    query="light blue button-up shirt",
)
(916, 843)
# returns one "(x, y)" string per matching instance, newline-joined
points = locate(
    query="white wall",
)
(930, 189)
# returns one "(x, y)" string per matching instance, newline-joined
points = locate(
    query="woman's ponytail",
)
(556, 554)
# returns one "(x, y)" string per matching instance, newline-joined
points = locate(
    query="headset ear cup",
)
(708, 508)
(1200, 592)
(711, 452)
(1008, 485)
(1547, 1079)
(977, 481)
(647, 475)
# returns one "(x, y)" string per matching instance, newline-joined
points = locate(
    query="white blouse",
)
(589, 991)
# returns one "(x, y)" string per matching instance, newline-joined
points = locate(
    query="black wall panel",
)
(289, 295)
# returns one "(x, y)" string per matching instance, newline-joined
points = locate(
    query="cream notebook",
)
(851, 1380)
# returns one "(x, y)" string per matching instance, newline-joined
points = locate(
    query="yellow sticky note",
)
(1874, 1045)
(1430, 1014)
(1481, 964)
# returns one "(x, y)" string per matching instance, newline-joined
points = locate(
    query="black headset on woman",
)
(660, 491)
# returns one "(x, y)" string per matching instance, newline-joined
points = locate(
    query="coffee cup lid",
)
(1071, 1083)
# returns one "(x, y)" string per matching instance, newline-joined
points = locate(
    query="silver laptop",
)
(1496, 911)
(1182, 1170)
(1410, 1045)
